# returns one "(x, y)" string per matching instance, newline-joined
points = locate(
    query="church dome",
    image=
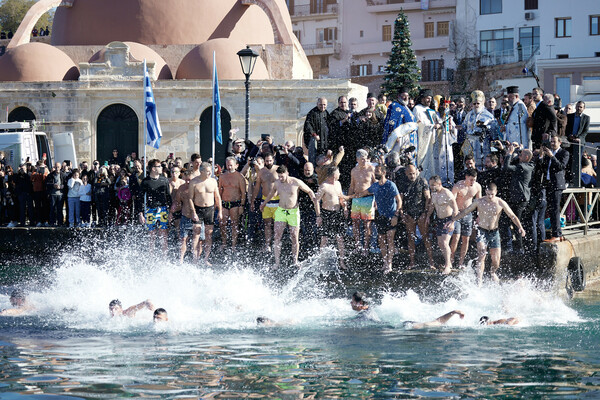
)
(139, 52)
(36, 62)
(98, 22)
(198, 63)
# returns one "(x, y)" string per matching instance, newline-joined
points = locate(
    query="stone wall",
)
(276, 107)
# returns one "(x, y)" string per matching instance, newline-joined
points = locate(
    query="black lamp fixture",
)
(248, 59)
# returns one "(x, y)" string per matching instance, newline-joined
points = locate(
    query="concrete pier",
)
(555, 258)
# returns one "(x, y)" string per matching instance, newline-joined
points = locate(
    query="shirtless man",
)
(232, 187)
(503, 321)
(442, 200)
(195, 160)
(175, 183)
(464, 192)
(361, 178)
(265, 180)
(287, 213)
(389, 212)
(334, 211)
(489, 209)
(182, 206)
(203, 197)
(116, 308)
(18, 300)
(160, 315)
(416, 198)
(439, 321)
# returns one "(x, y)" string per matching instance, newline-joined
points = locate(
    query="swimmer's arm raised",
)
(130, 312)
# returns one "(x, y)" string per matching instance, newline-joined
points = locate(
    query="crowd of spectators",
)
(345, 147)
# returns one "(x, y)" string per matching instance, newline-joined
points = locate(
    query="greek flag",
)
(216, 104)
(153, 133)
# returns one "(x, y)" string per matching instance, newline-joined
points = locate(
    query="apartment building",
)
(559, 40)
(352, 38)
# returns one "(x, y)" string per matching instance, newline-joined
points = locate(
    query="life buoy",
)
(576, 274)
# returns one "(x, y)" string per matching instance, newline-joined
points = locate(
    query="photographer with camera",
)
(289, 156)
(518, 163)
(555, 160)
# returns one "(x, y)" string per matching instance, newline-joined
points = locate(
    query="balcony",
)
(305, 10)
(381, 6)
(322, 49)
(525, 55)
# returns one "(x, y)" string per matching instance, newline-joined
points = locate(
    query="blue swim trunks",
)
(157, 218)
(490, 238)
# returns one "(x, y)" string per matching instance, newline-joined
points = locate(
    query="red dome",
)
(98, 22)
(36, 62)
(198, 63)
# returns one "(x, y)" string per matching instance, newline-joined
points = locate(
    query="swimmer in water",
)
(359, 302)
(436, 322)
(18, 300)
(116, 308)
(160, 315)
(503, 321)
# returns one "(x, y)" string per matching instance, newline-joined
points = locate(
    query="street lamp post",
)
(247, 60)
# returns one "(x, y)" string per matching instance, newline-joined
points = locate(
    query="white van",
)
(21, 143)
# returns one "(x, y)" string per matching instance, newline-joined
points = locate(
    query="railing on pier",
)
(575, 197)
(580, 209)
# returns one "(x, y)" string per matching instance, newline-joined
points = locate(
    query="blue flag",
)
(216, 104)
(153, 132)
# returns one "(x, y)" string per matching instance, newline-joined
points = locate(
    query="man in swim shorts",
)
(444, 204)
(363, 209)
(287, 213)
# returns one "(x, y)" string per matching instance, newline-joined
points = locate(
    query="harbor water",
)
(212, 347)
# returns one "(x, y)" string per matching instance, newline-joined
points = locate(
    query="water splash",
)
(202, 299)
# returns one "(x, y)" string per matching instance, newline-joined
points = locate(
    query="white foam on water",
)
(200, 299)
(521, 299)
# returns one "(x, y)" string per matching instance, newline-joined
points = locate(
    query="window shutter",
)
(425, 70)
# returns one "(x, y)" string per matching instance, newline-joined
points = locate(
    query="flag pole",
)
(144, 128)
(214, 113)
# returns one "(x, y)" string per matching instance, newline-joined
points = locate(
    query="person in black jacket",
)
(102, 195)
(555, 162)
(543, 120)
(521, 169)
(578, 124)
(24, 191)
(316, 130)
(54, 186)
(154, 192)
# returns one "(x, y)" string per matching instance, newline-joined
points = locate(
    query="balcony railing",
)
(384, 2)
(306, 9)
(509, 56)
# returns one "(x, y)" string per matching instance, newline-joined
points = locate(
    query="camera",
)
(277, 148)
(546, 144)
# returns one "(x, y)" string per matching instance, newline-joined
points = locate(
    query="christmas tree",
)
(402, 68)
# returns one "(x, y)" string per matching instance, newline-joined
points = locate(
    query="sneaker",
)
(39, 224)
(46, 224)
(11, 224)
